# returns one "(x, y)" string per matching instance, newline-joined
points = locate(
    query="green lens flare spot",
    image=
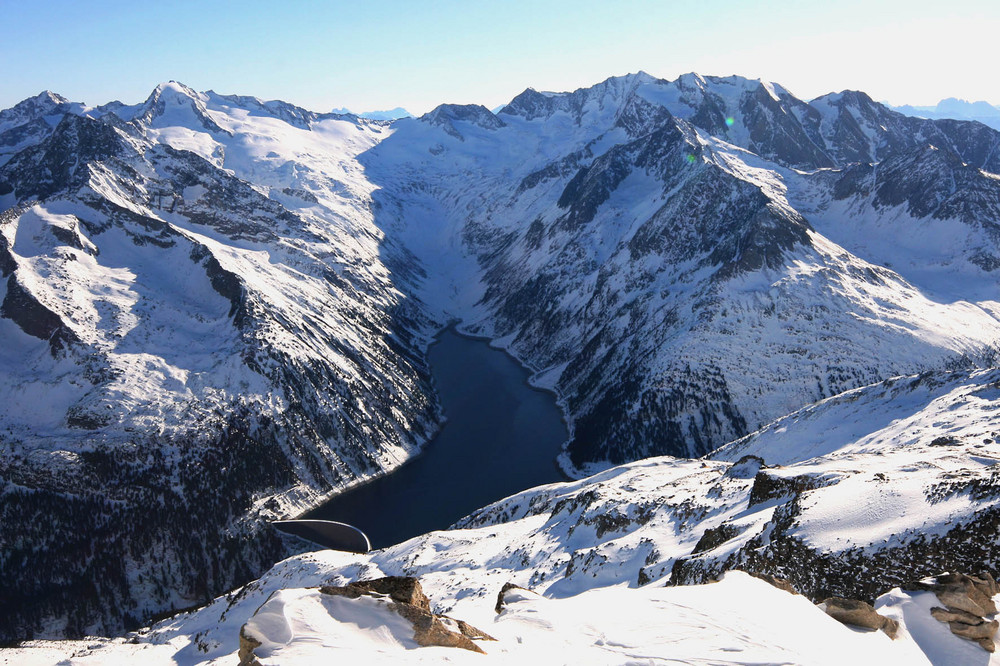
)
(690, 158)
(729, 121)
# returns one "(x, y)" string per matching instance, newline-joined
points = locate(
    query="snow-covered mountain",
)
(215, 312)
(678, 290)
(190, 348)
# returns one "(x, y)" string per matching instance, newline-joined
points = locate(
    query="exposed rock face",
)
(501, 596)
(961, 592)
(401, 589)
(967, 600)
(34, 318)
(859, 614)
(409, 601)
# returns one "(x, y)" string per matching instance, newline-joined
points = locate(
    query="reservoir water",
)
(501, 437)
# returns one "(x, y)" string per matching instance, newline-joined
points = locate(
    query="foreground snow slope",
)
(738, 620)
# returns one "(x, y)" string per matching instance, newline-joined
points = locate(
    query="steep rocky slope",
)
(649, 248)
(189, 349)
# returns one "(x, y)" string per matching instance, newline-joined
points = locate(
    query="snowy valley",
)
(771, 326)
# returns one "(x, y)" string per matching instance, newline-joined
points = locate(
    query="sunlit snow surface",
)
(739, 620)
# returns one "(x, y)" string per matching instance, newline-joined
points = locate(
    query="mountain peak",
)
(445, 115)
(47, 96)
(172, 90)
(176, 102)
(960, 108)
(45, 101)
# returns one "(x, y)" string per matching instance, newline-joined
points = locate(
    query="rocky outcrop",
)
(967, 600)
(407, 599)
(401, 589)
(961, 592)
(859, 614)
(34, 318)
(247, 646)
(502, 596)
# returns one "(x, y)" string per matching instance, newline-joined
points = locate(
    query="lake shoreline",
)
(499, 435)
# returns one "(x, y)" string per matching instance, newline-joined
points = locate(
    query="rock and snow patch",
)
(365, 617)
(737, 620)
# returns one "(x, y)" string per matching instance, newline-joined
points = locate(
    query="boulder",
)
(430, 629)
(975, 632)
(986, 583)
(967, 600)
(859, 614)
(965, 617)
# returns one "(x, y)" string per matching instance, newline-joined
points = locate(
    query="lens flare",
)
(690, 158)
(729, 121)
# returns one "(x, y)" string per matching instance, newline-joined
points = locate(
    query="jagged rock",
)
(746, 467)
(409, 601)
(501, 601)
(776, 581)
(401, 589)
(961, 592)
(859, 614)
(945, 615)
(247, 645)
(969, 626)
(768, 486)
(975, 632)
(34, 318)
(968, 599)
(466, 629)
(986, 583)
(715, 536)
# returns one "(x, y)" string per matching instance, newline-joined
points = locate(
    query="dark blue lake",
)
(501, 437)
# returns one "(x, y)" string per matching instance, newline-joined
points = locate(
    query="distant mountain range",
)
(215, 313)
(390, 114)
(957, 109)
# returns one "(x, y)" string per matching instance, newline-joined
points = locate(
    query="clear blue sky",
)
(369, 55)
